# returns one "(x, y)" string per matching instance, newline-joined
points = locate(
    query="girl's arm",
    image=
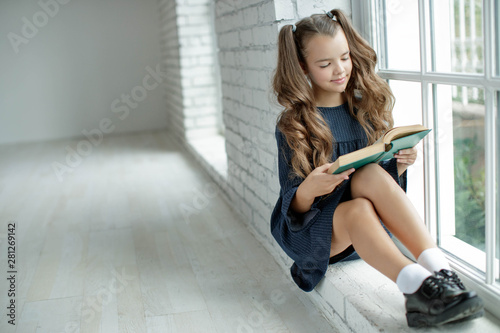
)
(302, 202)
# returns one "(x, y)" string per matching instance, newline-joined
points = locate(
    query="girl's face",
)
(328, 64)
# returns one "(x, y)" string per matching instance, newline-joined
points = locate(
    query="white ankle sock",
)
(410, 278)
(433, 260)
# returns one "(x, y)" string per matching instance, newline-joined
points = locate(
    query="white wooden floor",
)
(135, 239)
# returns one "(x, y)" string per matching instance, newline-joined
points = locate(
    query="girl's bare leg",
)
(356, 222)
(399, 215)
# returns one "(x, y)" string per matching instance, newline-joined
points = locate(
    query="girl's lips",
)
(339, 81)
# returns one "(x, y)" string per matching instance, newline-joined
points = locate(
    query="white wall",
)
(75, 65)
(190, 59)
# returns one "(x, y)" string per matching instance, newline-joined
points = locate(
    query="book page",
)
(402, 131)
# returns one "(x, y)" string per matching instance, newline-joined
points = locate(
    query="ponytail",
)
(289, 76)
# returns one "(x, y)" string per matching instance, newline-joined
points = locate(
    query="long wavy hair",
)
(369, 97)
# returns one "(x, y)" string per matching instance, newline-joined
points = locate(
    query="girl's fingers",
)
(410, 151)
(406, 156)
(345, 174)
(339, 178)
(324, 167)
(405, 161)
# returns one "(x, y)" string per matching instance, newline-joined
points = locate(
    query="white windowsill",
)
(212, 151)
(467, 253)
(367, 301)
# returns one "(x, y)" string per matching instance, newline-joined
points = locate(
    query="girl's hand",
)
(319, 182)
(405, 158)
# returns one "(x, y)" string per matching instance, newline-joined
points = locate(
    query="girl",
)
(335, 103)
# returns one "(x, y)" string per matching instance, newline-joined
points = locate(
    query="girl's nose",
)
(338, 70)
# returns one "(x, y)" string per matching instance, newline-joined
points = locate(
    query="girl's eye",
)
(325, 66)
(345, 59)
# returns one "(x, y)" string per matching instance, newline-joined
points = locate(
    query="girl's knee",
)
(348, 216)
(370, 177)
(359, 209)
(369, 172)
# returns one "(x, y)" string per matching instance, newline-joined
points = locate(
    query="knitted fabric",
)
(306, 238)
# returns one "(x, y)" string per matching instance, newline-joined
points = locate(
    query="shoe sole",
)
(478, 314)
(467, 310)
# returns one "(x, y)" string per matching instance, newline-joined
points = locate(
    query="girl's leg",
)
(399, 215)
(356, 222)
(430, 299)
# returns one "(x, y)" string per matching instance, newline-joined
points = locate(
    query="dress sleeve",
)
(391, 166)
(289, 185)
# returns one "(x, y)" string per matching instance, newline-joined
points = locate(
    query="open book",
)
(389, 144)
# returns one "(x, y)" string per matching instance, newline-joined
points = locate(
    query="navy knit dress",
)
(306, 238)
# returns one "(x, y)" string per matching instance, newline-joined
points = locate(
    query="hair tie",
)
(330, 15)
(294, 28)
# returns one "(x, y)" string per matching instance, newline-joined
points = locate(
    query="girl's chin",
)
(333, 89)
(337, 90)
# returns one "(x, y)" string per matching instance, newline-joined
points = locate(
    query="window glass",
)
(408, 111)
(402, 35)
(408, 106)
(455, 198)
(458, 36)
(460, 113)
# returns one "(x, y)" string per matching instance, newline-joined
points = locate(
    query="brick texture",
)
(190, 61)
(247, 32)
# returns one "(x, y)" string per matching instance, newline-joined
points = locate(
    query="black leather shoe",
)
(451, 277)
(438, 302)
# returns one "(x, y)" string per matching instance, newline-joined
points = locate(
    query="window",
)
(441, 59)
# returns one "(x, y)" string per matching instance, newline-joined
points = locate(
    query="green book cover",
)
(378, 153)
(359, 163)
(403, 143)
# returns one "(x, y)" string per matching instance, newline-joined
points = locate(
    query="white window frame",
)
(369, 25)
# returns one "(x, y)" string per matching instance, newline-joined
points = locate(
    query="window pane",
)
(402, 33)
(462, 49)
(408, 111)
(408, 106)
(460, 113)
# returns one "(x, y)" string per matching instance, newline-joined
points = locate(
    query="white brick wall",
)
(189, 57)
(171, 63)
(247, 42)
